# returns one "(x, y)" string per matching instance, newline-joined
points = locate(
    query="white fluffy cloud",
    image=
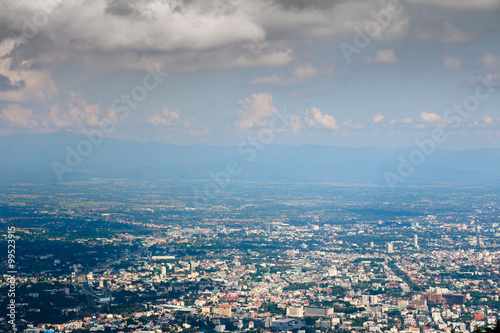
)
(387, 56)
(350, 124)
(488, 120)
(15, 116)
(255, 110)
(314, 117)
(154, 25)
(165, 117)
(77, 113)
(137, 35)
(378, 118)
(407, 121)
(428, 117)
(451, 62)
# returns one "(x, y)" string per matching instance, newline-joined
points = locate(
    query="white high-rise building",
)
(390, 247)
(415, 240)
(163, 270)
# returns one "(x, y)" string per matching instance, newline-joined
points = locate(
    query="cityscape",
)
(263, 166)
(306, 257)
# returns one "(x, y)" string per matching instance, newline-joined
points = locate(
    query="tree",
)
(495, 329)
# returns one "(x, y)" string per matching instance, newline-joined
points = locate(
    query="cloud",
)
(488, 79)
(199, 131)
(407, 121)
(307, 71)
(189, 35)
(295, 124)
(299, 74)
(164, 118)
(490, 62)
(465, 5)
(315, 118)
(15, 116)
(335, 20)
(430, 117)
(186, 35)
(255, 109)
(447, 34)
(386, 56)
(19, 82)
(77, 113)
(278, 58)
(301, 5)
(137, 35)
(378, 118)
(488, 120)
(404, 121)
(350, 124)
(268, 80)
(451, 62)
(153, 25)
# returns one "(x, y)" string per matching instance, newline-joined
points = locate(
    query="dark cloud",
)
(121, 8)
(301, 5)
(6, 84)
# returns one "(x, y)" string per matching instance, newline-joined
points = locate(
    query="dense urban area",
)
(123, 256)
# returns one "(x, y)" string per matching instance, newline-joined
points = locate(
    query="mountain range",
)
(66, 156)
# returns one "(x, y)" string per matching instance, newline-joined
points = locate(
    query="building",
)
(323, 323)
(319, 312)
(163, 257)
(287, 324)
(295, 311)
(415, 241)
(192, 266)
(223, 310)
(390, 248)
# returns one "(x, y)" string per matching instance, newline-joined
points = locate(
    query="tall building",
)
(415, 240)
(477, 236)
(192, 266)
(390, 247)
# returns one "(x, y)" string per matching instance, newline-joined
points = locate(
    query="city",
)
(263, 166)
(307, 257)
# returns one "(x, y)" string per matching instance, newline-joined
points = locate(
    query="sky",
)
(354, 73)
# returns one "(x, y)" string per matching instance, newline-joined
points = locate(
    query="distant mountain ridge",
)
(31, 157)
